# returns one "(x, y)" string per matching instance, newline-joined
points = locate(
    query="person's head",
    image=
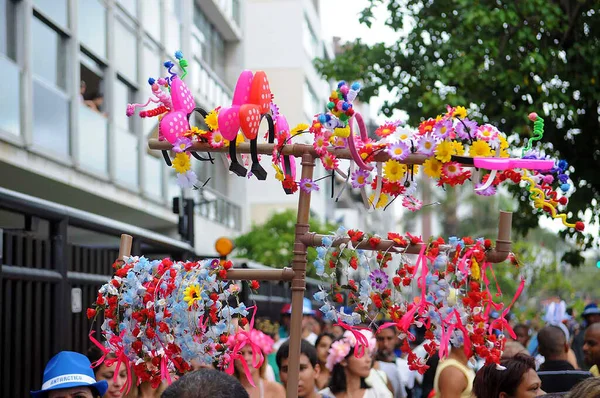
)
(107, 372)
(591, 314)
(285, 315)
(386, 343)
(591, 344)
(523, 334)
(513, 348)
(337, 331)
(322, 344)
(82, 87)
(309, 367)
(343, 363)
(69, 375)
(258, 339)
(553, 343)
(205, 383)
(515, 378)
(98, 99)
(588, 388)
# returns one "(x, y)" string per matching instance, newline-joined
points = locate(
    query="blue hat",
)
(591, 309)
(306, 307)
(69, 369)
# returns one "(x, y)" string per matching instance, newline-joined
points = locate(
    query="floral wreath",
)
(159, 315)
(362, 340)
(454, 301)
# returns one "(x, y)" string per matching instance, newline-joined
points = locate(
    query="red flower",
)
(115, 283)
(227, 264)
(487, 243)
(396, 280)
(426, 126)
(289, 183)
(243, 322)
(214, 296)
(91, 313)
(354, 262)
(374, 241)
(339, 298)
(222, 274)
(223, 339)
(254, 285)
(355, 235)
(397, 238)
(414, 240)
(137, 346)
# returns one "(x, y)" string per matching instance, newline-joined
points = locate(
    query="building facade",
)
(70, 68)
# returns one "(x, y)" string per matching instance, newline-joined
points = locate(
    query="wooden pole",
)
(125, 246)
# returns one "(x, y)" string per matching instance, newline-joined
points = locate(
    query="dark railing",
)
(217, 207)
(50, 275)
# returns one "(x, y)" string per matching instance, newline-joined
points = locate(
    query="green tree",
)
(503, 59)
(272, 243)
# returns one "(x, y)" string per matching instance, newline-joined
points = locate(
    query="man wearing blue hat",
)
(591, 315)
(70, 375)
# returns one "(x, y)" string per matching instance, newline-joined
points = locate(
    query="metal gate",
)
(48, 281)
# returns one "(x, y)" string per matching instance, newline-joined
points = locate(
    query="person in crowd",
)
(96, 102)
(513, 378)
(386, 358)
(453, 377)
(322, 345)
(310, 369)
(512, 348)
(270, 329)
(69, 375)
(523, 333)
(589, 388)
(429, 376)
(556, 373)
(82, 89)
(591, 348)
(107, 372)
(284, 322)
(591, 315)
(206, 383)
(262, 388)
(348, 373)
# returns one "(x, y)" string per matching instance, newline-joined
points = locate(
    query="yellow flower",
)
(191, 294)
(460, 112)
(394, 170)
(382, 202)
(239, 139)
(475, 270)
(212, 120)
(459, 149)
(343, 132)
(416, 169)
(503, 141)
(182, 163)
(278, 172)
(444, 151)
(299, 128)
(480, 149)
(504, 153)
(433, 168)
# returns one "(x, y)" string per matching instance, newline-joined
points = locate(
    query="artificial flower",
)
(475, 270)
(398, 150)
(182, 163)
(191, 294)
(212, 120)
(480, 148)
(432, 168)
(359, 178)
(289, 183)
(342, 132)
(460, 112)
(444, 151)
(411, 203)
(181, 144)
(299, 128)
(489, 191)
(382, 202)
(187, 179)
(278, 172)
(329, 161)
(426, 126)
(216, 139)
(394, 170)
(427, 144)
(405, 135)
(393, 188)
(487, 132)
(451, 169)
(320, 144)
(465, 129)
(307, 185)
(443, 128)
(459, 149)
(385, 130)
(379, 279)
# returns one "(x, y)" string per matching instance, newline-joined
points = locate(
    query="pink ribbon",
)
(501, 323)
(105, 350)
(361, 340)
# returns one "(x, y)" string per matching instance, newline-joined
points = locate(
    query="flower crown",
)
(253, 337)
(340, 349)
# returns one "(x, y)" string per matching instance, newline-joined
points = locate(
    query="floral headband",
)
(362, 340)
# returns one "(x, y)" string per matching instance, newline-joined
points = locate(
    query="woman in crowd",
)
(106, 372)
(589, 388)
(453, 377)
(322, 345)
(513, 378)
(349, 373)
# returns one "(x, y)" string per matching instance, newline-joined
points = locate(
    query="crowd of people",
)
(559, 359)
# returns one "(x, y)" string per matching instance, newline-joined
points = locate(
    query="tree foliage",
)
(272, 243)
(503, 59)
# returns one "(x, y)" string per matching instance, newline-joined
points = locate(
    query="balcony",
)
(92, 142)
(218, 208)
(225, 15)
(211, 91)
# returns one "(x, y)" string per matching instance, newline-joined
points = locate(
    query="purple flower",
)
(489, 191)
(181, 144)
(187, 180)
(399, 150)
(427, 144)
(379, 279)
(443, 128)
(360, 178)
(308, 185)
(461, 130)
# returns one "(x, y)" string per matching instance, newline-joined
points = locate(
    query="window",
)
(123, 95)
(8, 29)
(219, 54)
(9, 100)
(131, 7)
(55, 9)
(151, 68)
(173, 21)
(126, 142)
(126, 49)
(92, 26)
(49, 53)
(311, 43)
(151, 13)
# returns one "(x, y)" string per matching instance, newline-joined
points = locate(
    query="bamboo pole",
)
(285, 274)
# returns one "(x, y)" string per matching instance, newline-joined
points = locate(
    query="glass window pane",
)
(130, 6)
(9, 100)
(173, 34)
(126, 47)
(50, 119)
(92, 26)
(126, 158)
(123, 95)
(8, 31)
(219, 54)
(153, 176)
(55, 9)
(152, 64)
(93, 143)
(49, 50)
(151, 17)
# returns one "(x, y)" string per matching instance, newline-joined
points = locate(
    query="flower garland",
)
(159, 315)
(453, 301)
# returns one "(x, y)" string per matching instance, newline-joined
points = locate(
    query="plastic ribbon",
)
(361, 340)
(378, 187)
(364, 137)
(538, 132)
(491, 177)
(501, 323)
(100, 346)
(539, 200)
